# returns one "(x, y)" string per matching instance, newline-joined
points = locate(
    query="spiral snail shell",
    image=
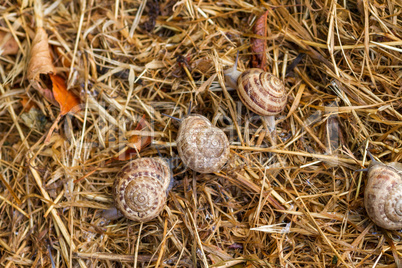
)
(383, 194)
(201, 146)
(140, 188)
(260, 91)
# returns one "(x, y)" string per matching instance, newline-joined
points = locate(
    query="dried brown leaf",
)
(8, 45)
(259, 46)
(41, 60)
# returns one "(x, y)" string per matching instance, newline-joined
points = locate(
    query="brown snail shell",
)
(201, 146)
(383, 195)
(140, 188)
(262, 92)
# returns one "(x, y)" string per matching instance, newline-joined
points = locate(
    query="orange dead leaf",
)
(41, 60)
(139, 142)
(8, 45)
(259, 46)
(67, 100)
(136, 142)
(27, 104)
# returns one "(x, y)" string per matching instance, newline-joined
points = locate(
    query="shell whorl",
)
(140, 188)
(262, 92)
(383, 196)
(201, 146)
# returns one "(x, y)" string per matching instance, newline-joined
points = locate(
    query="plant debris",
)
(153, 12)
(8, 45)
(259, 45)
(291, 199)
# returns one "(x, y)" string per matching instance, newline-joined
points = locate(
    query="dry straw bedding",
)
(287, 200)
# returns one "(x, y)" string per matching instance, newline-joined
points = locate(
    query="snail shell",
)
(262, 92)
(201, 146)
(140, 188)
(383, 195)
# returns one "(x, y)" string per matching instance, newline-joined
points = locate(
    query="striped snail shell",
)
(201, 146)
(262, 92)
(383, 195)
(140, 188)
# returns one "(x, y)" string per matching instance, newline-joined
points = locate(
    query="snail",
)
(383, 194)
(260, 91)
(202, 147)
(140, 188)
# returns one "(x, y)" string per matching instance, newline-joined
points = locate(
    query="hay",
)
(291, 199)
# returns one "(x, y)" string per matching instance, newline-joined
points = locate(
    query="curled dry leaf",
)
(259, 46)
(136, 142)
(41, 60)
(8, 45)
(40, 63)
